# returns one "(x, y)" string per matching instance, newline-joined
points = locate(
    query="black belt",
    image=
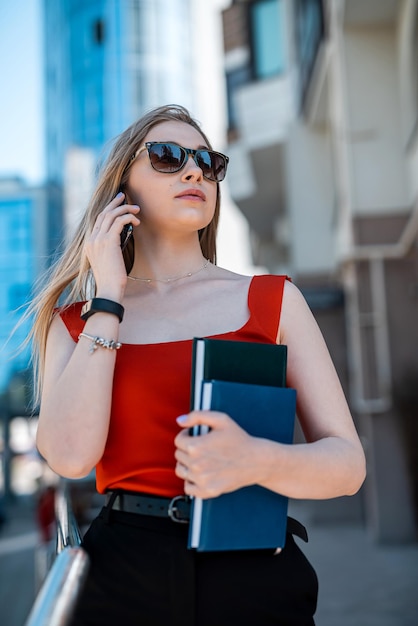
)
(177, 509)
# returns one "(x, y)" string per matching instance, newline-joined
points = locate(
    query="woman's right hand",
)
(103, 247)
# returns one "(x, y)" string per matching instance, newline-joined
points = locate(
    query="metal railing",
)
(58, 595)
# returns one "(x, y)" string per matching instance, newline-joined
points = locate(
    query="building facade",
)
(22, 258)
(106, 62)
(323, 134)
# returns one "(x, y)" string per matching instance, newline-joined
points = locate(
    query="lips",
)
(192, 194)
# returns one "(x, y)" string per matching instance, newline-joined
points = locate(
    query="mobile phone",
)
(125, 235)
(126, 230)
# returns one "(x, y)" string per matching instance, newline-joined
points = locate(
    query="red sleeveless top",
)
(152, 387)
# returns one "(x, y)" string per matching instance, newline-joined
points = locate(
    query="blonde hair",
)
(70, 278)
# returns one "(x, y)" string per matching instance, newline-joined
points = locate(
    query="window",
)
(310, 31)
(98, 31)
(18, 295)
(235, 79)
(268, 44)
(259, 55)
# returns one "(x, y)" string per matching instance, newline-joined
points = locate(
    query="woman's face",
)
(183, 201)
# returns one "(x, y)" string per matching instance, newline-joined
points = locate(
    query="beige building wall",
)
(377, 153)
(311, 200)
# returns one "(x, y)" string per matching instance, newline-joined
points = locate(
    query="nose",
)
(191, 170)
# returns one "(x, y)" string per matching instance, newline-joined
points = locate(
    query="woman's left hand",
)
(216, 462)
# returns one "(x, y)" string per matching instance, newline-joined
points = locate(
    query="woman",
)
(115, 394)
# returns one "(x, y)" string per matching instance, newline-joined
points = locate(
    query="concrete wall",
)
(378, 173)
(311, 197)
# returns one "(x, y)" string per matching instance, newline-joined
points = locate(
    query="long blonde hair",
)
(70, 279)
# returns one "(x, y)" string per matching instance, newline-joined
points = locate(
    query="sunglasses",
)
(169, 158)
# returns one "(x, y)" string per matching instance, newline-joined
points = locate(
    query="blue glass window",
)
(267, 22)
(16, 277)
(310, 31)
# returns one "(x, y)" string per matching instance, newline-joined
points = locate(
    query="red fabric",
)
(152, 387)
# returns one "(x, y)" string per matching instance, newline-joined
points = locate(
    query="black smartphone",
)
(126, 231)
(125, 235)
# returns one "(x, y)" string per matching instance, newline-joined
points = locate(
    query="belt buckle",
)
(173, 509)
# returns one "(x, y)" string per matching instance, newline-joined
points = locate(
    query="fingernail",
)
(119, 194)
(181, 419)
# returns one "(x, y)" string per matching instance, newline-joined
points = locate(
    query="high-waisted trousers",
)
(142, 574)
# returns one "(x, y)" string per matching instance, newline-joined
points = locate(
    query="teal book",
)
(251, 517)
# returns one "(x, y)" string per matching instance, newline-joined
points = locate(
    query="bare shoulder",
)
(59, 348)
(292, 293)
(296, 316)
(59, 339)
(293, 300)
(58, 327)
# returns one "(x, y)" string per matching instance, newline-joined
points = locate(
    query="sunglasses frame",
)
(188, 152)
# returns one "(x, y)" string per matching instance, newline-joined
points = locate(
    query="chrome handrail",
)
(56, 600)
(58, 595)
(68, 532)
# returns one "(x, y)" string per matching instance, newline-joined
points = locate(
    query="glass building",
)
(106, 62)
(22, 254)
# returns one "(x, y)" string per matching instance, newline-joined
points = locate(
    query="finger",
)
(117, 219)
(108, 215)
(182, 471)
(122, 220)
(185, 446)
(117, 201)
(213, 419)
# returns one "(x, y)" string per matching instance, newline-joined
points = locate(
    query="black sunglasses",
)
(168, 158)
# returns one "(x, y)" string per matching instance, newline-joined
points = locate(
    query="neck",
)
(171, 278)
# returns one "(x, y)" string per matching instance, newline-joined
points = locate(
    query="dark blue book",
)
(252, 517)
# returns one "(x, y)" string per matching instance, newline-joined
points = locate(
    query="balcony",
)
(265, 110)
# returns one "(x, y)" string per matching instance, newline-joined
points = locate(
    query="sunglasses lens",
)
(212, 164)
(169, 158)
(166, 157)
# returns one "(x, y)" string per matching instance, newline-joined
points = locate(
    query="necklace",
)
(169, 280)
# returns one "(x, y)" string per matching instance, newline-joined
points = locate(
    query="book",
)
(234, 361)
(238, 361)
(252, 517)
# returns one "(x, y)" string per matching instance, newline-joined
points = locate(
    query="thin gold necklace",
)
(169, 280)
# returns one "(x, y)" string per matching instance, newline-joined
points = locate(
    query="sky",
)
(21, 100)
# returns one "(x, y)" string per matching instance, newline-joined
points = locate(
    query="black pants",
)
(142, 574)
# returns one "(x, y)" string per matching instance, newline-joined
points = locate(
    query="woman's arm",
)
(77, 388)
(76, 399)
(332, 461)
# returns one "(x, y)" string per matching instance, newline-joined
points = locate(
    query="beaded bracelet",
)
(109, 344)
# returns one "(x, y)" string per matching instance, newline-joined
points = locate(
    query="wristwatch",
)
(102, 305)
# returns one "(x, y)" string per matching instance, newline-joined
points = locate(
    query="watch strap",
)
(102, 305)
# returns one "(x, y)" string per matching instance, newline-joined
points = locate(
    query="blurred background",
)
(316, 103)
